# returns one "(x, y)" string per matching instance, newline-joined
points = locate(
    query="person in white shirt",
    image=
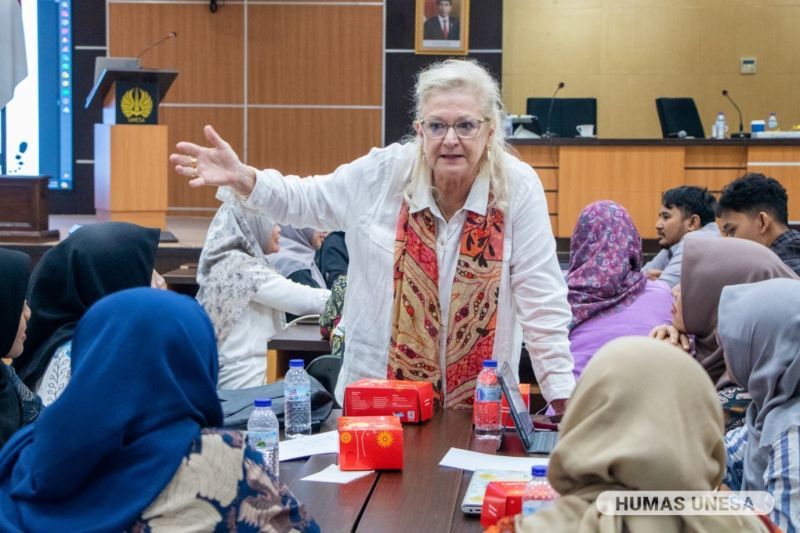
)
(449, 239)
(246, 297)
(442, 26)
(686, 211)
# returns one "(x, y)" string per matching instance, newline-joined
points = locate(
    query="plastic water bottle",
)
(538, 493)
(772, 122)
(508, 126)
(486, 410)
(297, 400)
(720, 126)
(262, 432)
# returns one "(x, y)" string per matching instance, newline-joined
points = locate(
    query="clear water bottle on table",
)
(720, 127)
(297, 400)
(263, 432)
(538, 493)
(772, 122)
(486, 413)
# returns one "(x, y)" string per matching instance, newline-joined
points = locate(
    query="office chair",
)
(679, 114)
(567, 114)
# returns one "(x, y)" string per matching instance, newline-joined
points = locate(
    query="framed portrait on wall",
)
(442, 27)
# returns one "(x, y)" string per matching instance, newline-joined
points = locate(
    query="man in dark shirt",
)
(754, 207)
(442, 26)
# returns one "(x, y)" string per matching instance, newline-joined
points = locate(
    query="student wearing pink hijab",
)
(609, 295)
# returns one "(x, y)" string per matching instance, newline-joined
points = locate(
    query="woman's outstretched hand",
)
(215, 165)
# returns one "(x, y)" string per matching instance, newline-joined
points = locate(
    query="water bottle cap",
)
(263, 402)
(490, 363)
(539, 471)
(296, 363)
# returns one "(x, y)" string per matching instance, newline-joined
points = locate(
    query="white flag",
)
(13, 67)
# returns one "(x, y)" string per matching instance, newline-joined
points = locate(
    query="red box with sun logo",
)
(370, 443)
(410, 401)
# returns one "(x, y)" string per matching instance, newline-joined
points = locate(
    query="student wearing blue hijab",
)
(128, 444)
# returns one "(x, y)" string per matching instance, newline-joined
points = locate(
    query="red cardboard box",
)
(410, 401)
(370, 443)
(502, 498)
(505, 413)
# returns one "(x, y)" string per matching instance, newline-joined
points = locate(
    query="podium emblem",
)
(136, 102)
(136, 105)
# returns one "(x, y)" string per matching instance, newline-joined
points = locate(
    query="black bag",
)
(238, 403)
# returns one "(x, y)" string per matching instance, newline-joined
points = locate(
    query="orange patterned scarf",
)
(416, 321)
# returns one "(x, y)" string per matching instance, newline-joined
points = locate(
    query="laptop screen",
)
(520, 413)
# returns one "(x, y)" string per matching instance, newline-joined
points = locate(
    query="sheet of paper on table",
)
(332, 474)
(327, 442)
(467, 460)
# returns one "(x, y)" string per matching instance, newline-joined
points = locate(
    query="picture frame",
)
(445, 35)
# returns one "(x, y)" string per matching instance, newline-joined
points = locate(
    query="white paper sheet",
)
(467, 460)
(327, 442)
(332, 474)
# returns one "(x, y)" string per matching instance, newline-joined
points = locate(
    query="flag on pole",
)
(13, 66)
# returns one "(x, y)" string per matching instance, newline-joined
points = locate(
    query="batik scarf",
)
(605, 261)
(416, 311)
(759, 328)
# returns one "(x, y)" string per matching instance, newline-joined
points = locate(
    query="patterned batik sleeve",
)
(735, 446)
(782, 480)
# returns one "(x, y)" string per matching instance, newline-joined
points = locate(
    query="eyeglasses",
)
(465, 129)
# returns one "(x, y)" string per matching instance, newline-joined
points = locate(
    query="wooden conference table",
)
(422, 497)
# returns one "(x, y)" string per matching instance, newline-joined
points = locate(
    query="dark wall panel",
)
(485, 33)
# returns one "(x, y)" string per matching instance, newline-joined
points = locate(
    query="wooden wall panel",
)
(783, 164)
(625, 174)
(715, 179)
(311, 141)
(709, 156)
(627, 53)
(312, 54)
(538, 156)
(208, 52)
(186, 124)
(549, 178)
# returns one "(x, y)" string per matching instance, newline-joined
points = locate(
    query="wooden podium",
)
(130, 147)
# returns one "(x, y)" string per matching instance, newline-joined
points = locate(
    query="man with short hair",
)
(754, 207)
(685, 211)
(442, 26)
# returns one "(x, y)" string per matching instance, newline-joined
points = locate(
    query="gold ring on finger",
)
(193, 162)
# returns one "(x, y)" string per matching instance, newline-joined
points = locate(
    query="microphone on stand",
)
(171, 35)
(549, 134)
(741, 134)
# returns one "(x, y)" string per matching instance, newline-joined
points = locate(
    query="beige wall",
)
(626, 53)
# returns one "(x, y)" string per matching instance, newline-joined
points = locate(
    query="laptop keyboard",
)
(543, 441)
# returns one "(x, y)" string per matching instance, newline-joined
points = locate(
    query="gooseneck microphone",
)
(171, 35)
(741, 134)
(549, 134)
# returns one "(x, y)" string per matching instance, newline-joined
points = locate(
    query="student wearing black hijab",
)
(95, 261)
(18, 405)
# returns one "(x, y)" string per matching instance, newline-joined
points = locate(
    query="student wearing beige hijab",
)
(627, 427)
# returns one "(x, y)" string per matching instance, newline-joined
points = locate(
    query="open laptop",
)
(534, 441)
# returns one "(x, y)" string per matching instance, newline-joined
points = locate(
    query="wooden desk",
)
(421, 497)
(634, 172)
(301, 341)
(183, 280)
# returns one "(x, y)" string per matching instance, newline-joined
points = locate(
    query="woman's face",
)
(273, 242)
(677, 309)
(452, 157)
(19, 341)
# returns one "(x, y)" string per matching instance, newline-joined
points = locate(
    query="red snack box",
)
(410, 401)
(502, 498)
(525, 391)
(370, 443)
